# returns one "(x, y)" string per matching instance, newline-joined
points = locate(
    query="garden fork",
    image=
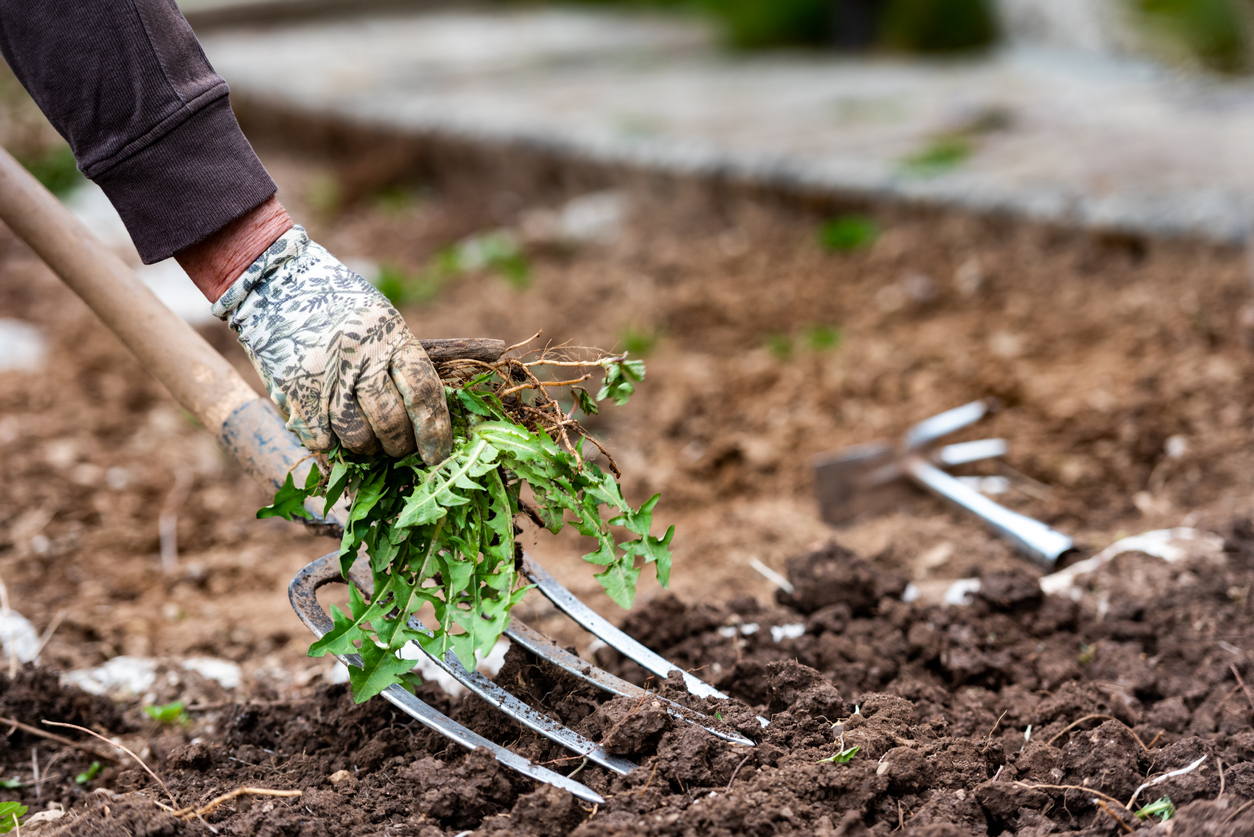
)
(865, 479)
(253, 433)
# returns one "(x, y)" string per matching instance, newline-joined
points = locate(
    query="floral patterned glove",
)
(334, 354)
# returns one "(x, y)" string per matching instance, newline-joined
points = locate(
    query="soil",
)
(1019, 714)
(1123, 367)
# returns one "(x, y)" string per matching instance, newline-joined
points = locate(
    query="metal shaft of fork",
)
(1034, 539)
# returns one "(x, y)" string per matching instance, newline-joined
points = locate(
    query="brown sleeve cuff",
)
(188, 184)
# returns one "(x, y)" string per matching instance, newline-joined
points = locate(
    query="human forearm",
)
(128, 86)
(214, 263)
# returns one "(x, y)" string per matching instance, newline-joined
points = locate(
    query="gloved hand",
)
(334, 354)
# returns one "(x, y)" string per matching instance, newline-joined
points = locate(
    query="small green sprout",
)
(822, 338)
(718, 716)
(639, 341)
(1088, 653)
(90, 773)
(779, 345)
(497, 251)
(396, 200)
(845, 233)
(55, 168)
(324, 194)
(11, 814)
(404, 288)
(10, 784)
(819, 338)
(844, 756)
(1161, 808)
(169, 714)
(1212, 34)
(944, 153)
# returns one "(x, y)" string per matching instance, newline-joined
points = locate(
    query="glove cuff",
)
(291, 245)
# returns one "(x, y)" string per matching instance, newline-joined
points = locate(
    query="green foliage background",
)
(913, 25)
(1214, 34)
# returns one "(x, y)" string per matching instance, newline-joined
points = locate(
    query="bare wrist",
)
(217, 261)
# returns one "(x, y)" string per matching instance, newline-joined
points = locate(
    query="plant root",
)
(65, 742)
(1238, 812)
(1194, 766)
(515, 379)
(736, 772)
(1075, 724)
(137, 759)
(1244, 688)
(1080, 788)
(210, 806)
(1123, 826)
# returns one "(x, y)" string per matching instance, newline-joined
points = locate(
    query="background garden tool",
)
(868, 479)
(248, 428)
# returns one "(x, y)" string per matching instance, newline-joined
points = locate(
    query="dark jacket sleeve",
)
(128, 86)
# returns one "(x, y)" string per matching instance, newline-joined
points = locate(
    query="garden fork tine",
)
(599, 626)
(549, 651)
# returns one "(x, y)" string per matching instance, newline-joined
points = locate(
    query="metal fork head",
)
(865, 479)
(550, 652)
(302, 593)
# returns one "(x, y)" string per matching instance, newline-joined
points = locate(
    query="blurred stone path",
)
(1068, 137)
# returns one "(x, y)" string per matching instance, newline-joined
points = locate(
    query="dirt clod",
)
(833, 575)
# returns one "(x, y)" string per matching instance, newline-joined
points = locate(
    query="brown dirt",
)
(1010, 716)
(1101, 349)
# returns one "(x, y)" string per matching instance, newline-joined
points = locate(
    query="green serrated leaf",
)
(289, 502)
(480, 403)
(345, 632)
(655, 551)
(619, 376)
(380, 668)
(440, 489)
(585, 401)
(336, 483)
(367, 495)
(619, 581)
(11, 814)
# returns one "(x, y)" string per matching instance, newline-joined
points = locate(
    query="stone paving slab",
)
(1086, 140)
